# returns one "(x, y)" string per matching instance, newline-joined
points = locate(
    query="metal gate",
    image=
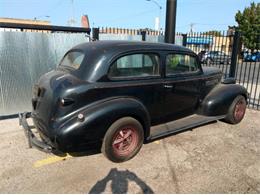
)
(226, 51)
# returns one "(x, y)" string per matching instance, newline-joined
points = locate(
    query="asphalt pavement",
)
(216, 158)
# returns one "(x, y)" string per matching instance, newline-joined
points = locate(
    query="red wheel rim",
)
(125, 141)
(240, 109)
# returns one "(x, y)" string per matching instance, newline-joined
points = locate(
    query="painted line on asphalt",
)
(157, 142)
(50, 160)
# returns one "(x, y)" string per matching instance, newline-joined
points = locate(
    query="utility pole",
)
(72, 21)
(191, 27)
(170, 24)
(157, 19)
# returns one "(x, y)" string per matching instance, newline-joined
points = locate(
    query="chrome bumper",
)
(32, 139)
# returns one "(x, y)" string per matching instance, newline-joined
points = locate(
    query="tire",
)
(237, 110)
(118, 146)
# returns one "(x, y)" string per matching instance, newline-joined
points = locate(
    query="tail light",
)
(66, 101)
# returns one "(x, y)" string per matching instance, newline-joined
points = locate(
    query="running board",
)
(166, 129)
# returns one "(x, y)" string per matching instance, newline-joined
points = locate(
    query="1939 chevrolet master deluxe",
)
(117, 95)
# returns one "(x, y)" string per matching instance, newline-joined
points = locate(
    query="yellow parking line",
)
(50, 160)
(157, 142)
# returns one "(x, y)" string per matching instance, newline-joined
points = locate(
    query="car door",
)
(181, 85)
(138, 75)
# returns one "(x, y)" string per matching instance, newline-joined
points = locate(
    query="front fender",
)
(77, 132)
(219, 99)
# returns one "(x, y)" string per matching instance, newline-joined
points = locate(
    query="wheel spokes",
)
(121, 133)
(239, 110)
(122, 136)
(128, 133)
(123, 139)
(121, 146)
(117, 141)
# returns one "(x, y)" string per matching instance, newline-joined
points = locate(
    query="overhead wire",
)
(129, 16)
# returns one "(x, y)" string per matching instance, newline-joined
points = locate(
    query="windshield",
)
(73, 59)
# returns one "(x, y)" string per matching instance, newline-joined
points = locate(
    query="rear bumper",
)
(61, 143)
(33, 141)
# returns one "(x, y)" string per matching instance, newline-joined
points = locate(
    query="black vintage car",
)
(114, 96)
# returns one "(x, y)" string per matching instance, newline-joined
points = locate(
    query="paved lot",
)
(217, 158)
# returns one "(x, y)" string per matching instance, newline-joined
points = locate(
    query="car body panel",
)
(74, 134)
(215, 104)
(74, 108)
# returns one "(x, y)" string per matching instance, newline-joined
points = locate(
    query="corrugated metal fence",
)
(24, 57)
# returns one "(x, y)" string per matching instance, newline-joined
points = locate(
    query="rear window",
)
(73, 59)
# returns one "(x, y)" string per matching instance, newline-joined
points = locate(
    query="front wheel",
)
(237, 110)
(123, 140)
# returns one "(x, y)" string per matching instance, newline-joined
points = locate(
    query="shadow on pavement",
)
(119, 183)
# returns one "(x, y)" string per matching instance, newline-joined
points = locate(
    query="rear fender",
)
(219, 99)
(98, 118)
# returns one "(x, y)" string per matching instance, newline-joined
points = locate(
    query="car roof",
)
(99, 54)
(115, 46)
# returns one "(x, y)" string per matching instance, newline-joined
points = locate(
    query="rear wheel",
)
(237, 110)
(123, 140)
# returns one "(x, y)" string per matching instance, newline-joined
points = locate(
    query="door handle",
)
(168, 86)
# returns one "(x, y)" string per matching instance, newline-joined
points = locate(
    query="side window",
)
(135, 65)
(180, 63)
